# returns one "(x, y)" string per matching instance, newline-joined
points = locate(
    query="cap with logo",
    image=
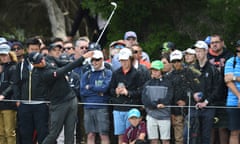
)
(176, 55)
(125, 54)
(97, 54)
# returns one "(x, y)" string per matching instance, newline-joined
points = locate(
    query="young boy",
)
(136, 133)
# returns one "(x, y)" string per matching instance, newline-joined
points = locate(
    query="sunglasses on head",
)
(67, 48)
(94, 59)
(16, 49)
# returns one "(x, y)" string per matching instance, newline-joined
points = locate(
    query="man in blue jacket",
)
(93, 89)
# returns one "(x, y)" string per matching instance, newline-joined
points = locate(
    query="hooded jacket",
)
(98, 82)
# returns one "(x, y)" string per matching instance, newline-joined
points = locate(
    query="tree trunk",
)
(56, 18)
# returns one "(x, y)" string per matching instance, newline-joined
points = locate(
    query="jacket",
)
(210, 81)
(133, 82)
(157, 91)
(7, 78)
(27, 80)
(184, 82)
(98, 82)
(57, 86)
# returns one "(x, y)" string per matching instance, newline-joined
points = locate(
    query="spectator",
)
(81, 47)
(125, 88)
(63, 106)
(137, 54)
(232, 79)
(167, 69)
(115, 47)
(157, 93)
(55, 50)
(184, 81)
(130, 38)
(136, 133)
(68, 48)
(218, 54)
(138, 65)
(18, 48)
(32, 111)
(189, 57)
(208, 92)
(7, 109)
(94, 89)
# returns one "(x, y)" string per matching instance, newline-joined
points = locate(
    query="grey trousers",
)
(64, 114)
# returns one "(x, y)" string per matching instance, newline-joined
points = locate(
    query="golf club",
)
(110, 17)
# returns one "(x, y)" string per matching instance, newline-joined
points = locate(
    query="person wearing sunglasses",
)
(68, 48)
(18, 49)
(184, 81)
(94, 89)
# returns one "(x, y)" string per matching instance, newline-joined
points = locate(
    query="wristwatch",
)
(234, 78)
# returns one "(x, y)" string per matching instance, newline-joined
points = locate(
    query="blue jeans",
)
(33, 117)
(205, 117)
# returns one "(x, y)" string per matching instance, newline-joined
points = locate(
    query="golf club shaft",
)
(110, 17)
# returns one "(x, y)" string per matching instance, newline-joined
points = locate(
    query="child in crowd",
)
(136, 133)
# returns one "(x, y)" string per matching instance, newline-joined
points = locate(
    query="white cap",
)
(4, 49)
(124, 54)
(97, 54)
(190, 51)
(201, 44)
(176, 55)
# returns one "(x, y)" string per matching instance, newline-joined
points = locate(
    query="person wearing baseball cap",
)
(189, 57)
(208, 91)
(8, 109)
(125, 88)
(136, 132)
(183, 80)
(130, 38)
(156, 94)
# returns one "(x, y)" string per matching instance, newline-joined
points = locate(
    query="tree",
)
(56, 18)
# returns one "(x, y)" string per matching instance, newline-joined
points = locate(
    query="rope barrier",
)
(124, 105)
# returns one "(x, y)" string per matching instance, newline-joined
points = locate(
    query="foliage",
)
(155, 22)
